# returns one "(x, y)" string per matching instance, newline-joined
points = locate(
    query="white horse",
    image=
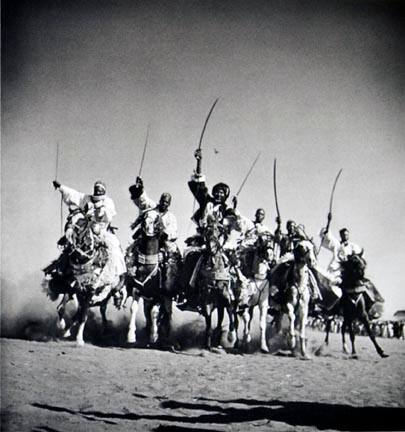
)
(294, 281)
(84, 279)
(150, 280)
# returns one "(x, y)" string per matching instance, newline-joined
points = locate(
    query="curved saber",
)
(57, 160)
(206, 121)
(144, 150)
(202, 136)
(275, 187)
(248, 174)
(330, 210)
(331, 198)
(56, 178)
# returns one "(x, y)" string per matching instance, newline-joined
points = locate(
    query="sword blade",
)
(248, 174)
(333, 190)
(144, 150)
(206, 121)
(275, 186)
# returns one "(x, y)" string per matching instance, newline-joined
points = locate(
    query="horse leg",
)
(84, 311)
(165, 316)
(302, 319)
(218, 330)
(380, 351)
(263, 307)
(131, 335)
(208, 329)
(327, 330)
(103, 313)
(291, 330)
(232, 333)
(352, 337)
(147, 310)
(343, 330)
(246, 334)
(61, 312)
(154, 331)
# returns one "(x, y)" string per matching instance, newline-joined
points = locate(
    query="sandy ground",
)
(55, 386)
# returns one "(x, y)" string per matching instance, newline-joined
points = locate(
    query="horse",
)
(84, 279)
(252, 287)
(294, 281)
(152, 278)
(213, 284)
(356, 303)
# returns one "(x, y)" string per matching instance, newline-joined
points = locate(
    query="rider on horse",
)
(341, 249)
(169, 251)
(168, 219)
(99, 209)
(212, 207)
(288, 241)
(287, 248)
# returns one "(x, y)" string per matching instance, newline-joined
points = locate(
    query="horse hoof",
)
(383, 355)
(80, 343)
(67, 334)
(264, 351)
(131, 340)
(231, 337)
(306, 357)
(354, 357)
(61, 324)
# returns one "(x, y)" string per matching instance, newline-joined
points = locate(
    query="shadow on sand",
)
(224, 412)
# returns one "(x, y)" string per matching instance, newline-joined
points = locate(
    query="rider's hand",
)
(56, 184)
(139, 182)
(198, 154)
(235, 201)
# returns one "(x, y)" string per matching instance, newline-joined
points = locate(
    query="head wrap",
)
(167, 196)
(221, 186)
(99, 191)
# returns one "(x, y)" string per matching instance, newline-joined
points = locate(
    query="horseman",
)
(341, 249)
(169, 251)
(287, 246)
(256, 245)
(99, 209)
(169, 222)
(288, 241)
(212, 207)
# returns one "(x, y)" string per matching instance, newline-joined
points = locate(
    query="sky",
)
(317, 85)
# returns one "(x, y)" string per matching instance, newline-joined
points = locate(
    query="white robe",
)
(101, 218)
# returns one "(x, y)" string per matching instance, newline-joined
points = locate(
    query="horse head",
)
(304, 253)
(152, 223)
(214, 236)
(354, 267)
(82, 239)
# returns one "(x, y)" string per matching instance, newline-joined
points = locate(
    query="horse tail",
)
(50, 289)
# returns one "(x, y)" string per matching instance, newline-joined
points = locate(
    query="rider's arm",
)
(199, 189)
(72, 196)
(329, 241)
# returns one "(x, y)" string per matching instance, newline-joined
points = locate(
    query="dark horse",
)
(213, 283)
(355, 302)
(151, 279)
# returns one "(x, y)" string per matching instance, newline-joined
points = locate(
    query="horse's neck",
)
(149, 245)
